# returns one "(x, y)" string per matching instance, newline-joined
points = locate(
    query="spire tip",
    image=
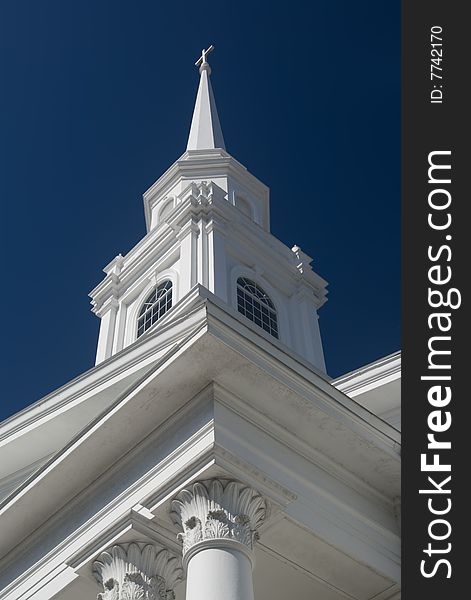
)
(202, 62)
(205, 130)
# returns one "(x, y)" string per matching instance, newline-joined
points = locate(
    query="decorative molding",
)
(202, 193)
(110, 302)
(137, 572)
(197, 164)
(369, 376)
(218, 509)
(115, 266)
(9, 483)
(237, 467)
(190, 227)
(301, 260)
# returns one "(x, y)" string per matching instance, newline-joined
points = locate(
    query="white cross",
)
(202, 59)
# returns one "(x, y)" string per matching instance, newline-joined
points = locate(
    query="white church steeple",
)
(205, 131)
(208, 223)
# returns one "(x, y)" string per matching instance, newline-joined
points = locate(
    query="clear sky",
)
(96, 102)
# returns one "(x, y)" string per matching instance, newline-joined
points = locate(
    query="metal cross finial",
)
(204, 53)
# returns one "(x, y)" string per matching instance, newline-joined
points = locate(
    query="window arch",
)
(155, 306)
(256, 305)
(165, 210)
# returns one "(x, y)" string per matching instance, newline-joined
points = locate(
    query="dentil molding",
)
(137, 572)
(218, 509)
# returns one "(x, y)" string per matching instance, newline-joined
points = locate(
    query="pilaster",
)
(108, 313)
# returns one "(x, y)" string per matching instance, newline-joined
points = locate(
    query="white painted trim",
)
(372, 375)
(152, 282)
(244, 271)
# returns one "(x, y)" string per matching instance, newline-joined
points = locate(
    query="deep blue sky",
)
(95, 103)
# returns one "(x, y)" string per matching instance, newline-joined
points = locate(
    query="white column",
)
(219, 573)
(107, 313)
(219, 519)
(137, 572)
(217, 263)
(188, 265)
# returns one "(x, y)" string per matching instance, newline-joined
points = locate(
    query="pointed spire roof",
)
(205, 131)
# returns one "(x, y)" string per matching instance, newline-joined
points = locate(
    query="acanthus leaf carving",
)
(218, 509)
(137, 572)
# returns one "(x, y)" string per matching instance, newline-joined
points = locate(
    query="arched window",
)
(255, 304)
(166, 210)
(155, 306)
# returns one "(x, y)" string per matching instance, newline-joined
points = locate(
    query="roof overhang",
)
(257, 381)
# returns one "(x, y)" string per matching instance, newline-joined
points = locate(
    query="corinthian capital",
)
(218, 509)
(137, 572)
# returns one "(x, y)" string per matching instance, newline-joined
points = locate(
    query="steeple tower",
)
(208, 223)
(205, 131)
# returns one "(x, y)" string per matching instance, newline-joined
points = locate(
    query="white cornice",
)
(143, 488)
(140, 352)
(130, 522)
(98, 527)
(193, 160)
(197, 165)
(223, 337)
(93, 379)
(159, 240)
(374, 374)
(162, 241)
(11, 482)
(279, 433)
(298, 371)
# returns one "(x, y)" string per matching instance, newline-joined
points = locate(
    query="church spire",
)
(205, 131)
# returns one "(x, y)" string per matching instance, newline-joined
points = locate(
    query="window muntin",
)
(256, 305)
(155, 306)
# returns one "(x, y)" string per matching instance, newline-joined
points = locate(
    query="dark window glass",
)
(256, 305)
(155, 306)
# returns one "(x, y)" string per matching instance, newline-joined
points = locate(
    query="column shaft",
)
(219, 574)
(219, 519)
